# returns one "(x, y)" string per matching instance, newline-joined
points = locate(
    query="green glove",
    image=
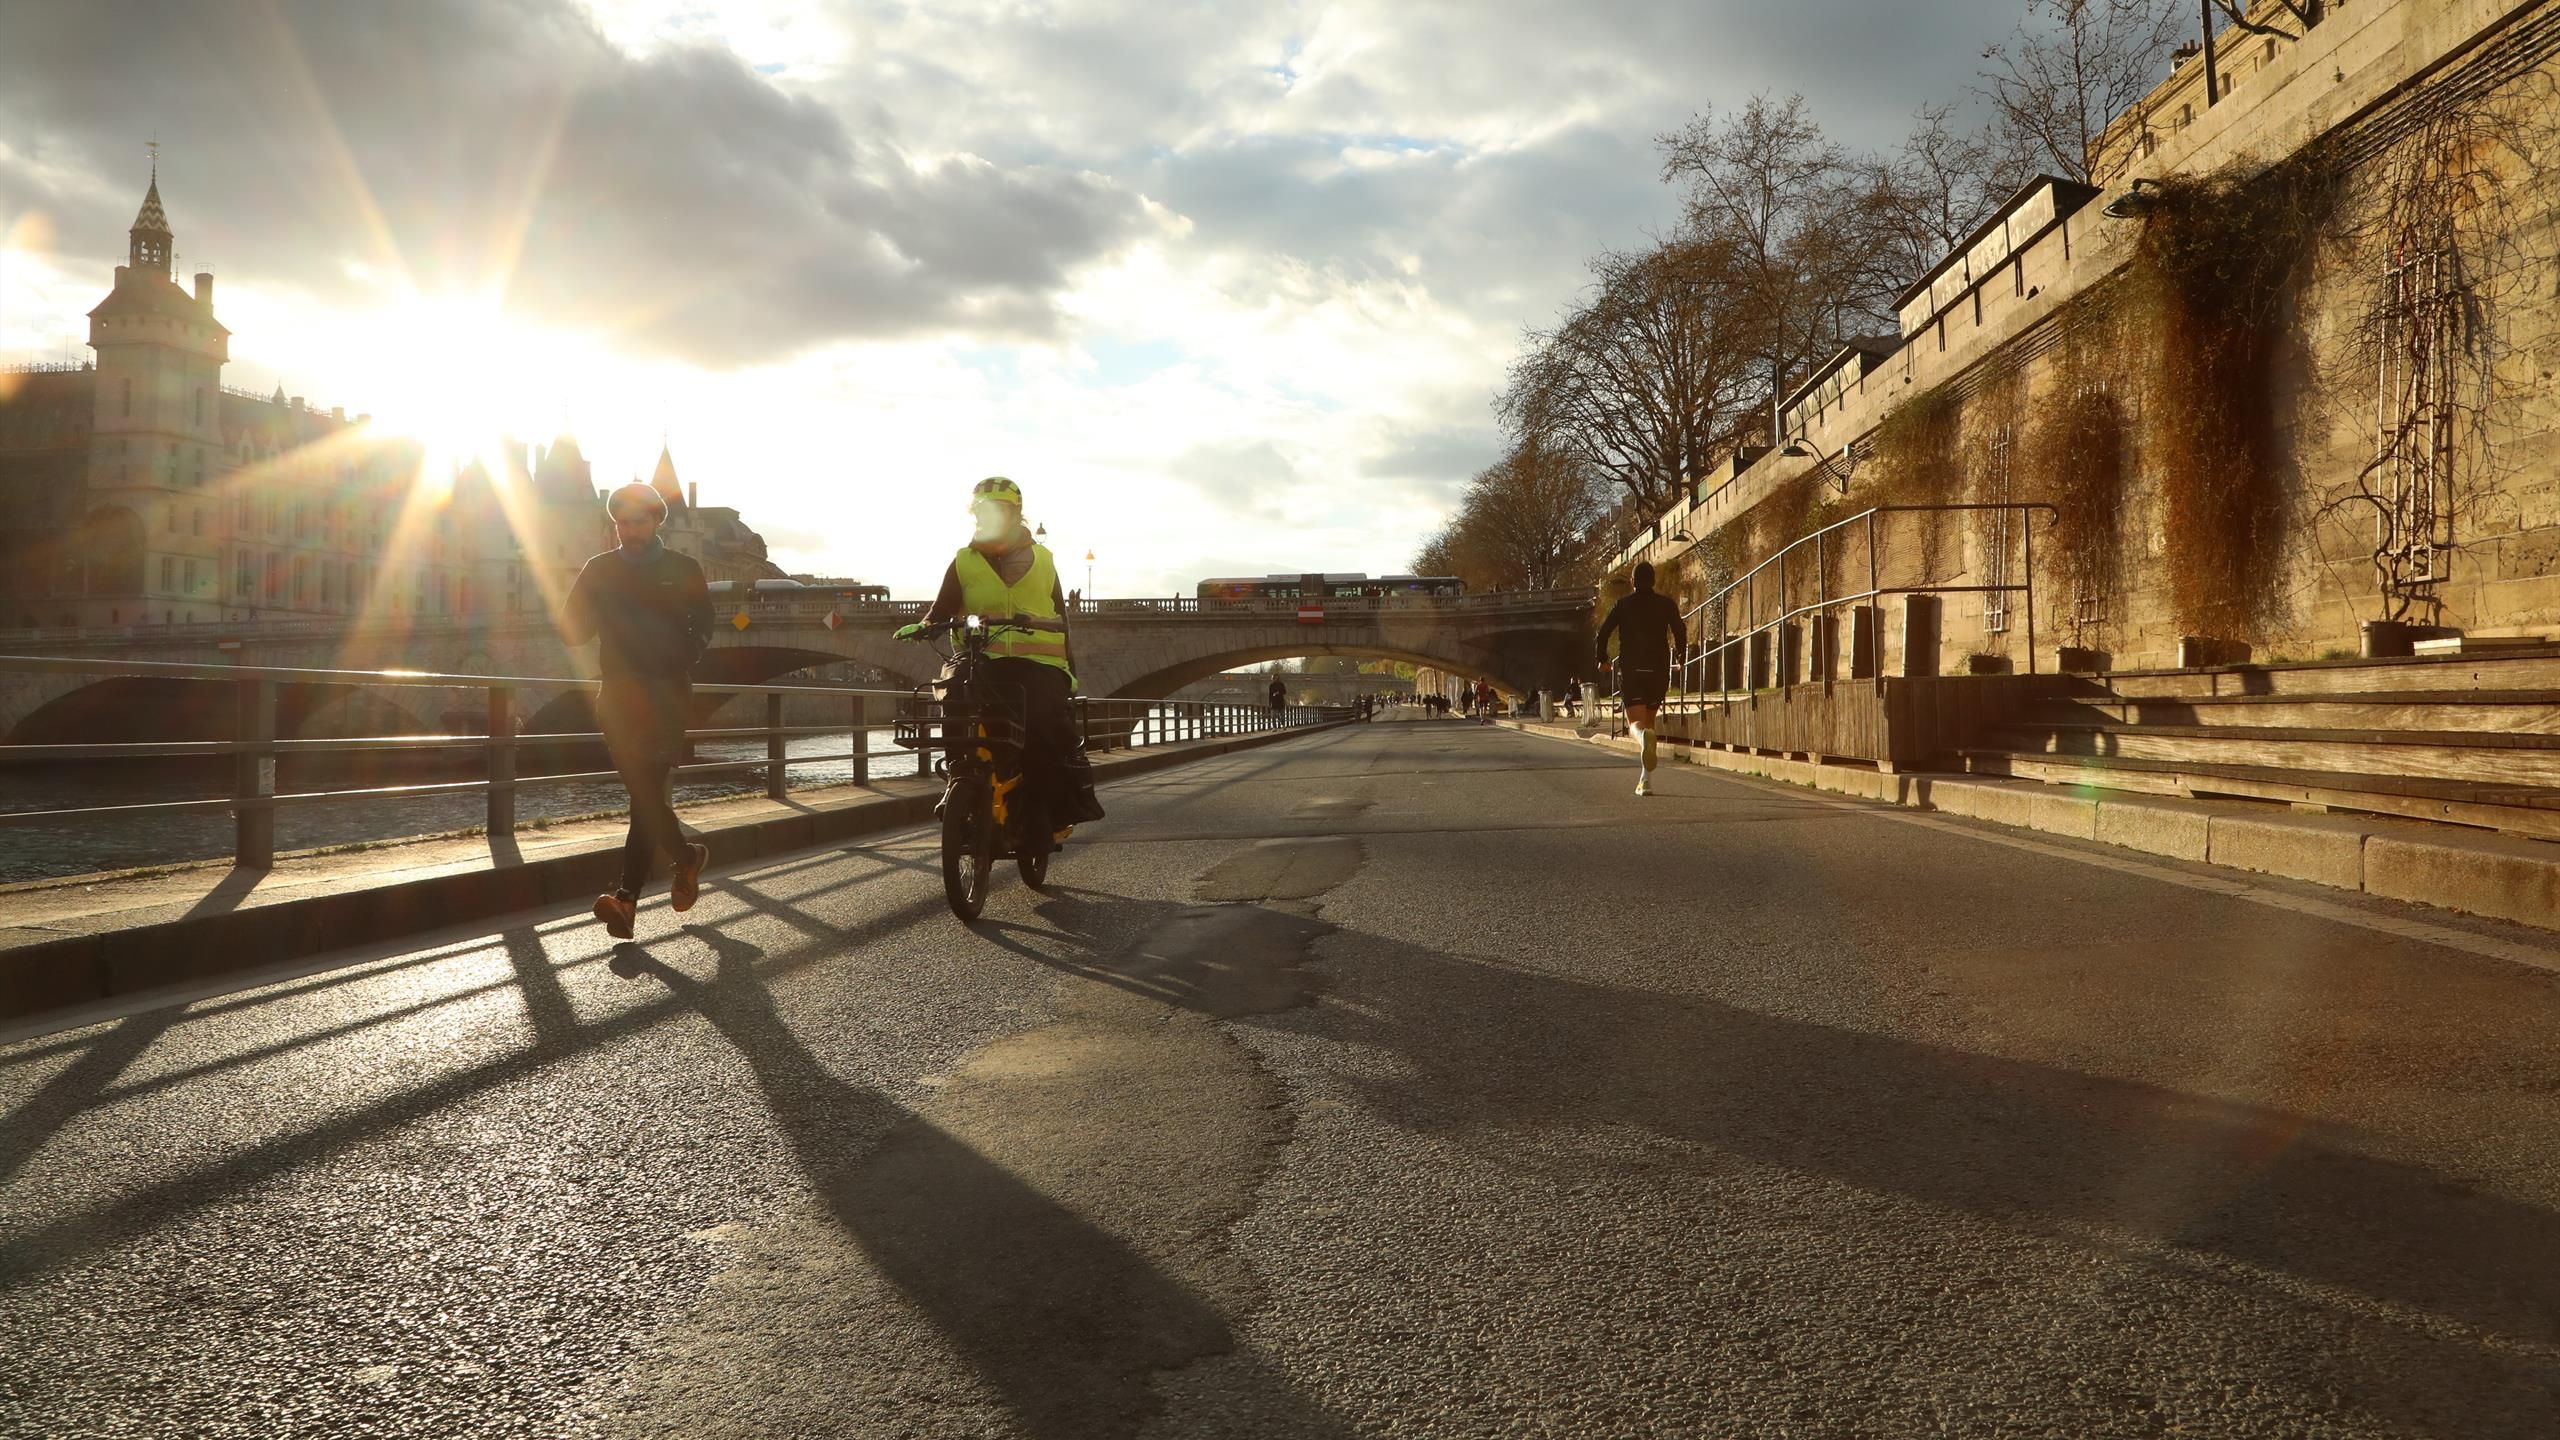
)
(909, 632)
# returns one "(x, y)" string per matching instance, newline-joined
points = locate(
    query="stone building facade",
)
(2432, 499)
(137, 489)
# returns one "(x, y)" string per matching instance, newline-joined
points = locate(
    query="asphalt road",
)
(1408, 1079)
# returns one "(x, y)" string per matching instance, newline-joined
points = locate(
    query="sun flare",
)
(458, 381)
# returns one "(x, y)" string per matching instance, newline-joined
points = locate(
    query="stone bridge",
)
(1137, 649)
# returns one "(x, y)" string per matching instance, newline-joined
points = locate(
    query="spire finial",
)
(154, 147)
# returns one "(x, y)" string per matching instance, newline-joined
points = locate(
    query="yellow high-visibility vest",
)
(984, 593)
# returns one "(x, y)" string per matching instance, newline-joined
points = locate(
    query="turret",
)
(149, 241)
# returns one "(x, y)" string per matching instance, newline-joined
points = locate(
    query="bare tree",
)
(1525, 524)
(1645, 383)
(1943, 182)
(2242, 14)
(1807, 225)
(2072, 67)
(1530, 511)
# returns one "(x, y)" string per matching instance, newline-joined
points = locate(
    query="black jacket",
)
(1650, 638)
(651, 615)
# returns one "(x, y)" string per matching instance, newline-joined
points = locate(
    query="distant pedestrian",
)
(648, 611)
(1279, 694)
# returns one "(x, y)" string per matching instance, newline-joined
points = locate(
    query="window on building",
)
(271, 509)
(199, 406)
(168, 573)
(194, 576)
(128, 396)
(195, 520)
(275, 576)
(169, 519)
(301, 579)
(240, 581)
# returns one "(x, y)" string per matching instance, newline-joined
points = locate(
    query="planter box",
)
(2080, 660)
(2394, 639)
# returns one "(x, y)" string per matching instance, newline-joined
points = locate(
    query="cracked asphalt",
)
(1408, 1079)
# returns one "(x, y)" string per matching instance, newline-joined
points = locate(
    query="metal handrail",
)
(1748, 584)
(798, 607)
(1106, 724)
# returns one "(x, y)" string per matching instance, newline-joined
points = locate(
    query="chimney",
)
(693, 495)
(204, 288)
(338, 413)
(297, 402)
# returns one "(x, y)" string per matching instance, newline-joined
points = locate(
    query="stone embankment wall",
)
(2379, 87)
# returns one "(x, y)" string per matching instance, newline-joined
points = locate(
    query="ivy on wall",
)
(2213, 283)
(2075, 456)
(1918, 447)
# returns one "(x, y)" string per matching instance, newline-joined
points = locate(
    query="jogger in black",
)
(1651, 644)
(650, 613)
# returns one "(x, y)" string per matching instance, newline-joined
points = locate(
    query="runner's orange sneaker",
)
(688, 879)
(617, 911)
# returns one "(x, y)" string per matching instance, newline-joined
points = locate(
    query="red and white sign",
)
(1309, 614)
(833, 621)
(227, 647)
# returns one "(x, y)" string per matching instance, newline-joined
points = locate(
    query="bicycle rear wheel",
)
(968, 847)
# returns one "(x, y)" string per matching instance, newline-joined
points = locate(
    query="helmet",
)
(999, 488)
(625, 497)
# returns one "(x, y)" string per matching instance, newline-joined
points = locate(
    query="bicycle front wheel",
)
(968, 847)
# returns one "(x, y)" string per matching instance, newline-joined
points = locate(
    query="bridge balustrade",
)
(254, 750)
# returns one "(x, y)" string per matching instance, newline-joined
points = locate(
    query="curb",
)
(2472, 872)
(155, 953)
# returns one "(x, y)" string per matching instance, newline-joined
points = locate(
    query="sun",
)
(456, 374)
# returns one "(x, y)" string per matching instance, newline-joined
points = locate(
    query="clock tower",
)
(153, 521)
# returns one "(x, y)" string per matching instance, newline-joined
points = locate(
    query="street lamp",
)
(1088, 572)
(1800, 450)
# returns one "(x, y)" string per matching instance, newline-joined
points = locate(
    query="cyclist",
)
(1650, 643)
(1011, 580)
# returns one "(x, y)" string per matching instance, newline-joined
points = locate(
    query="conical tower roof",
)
(151, 219)
(663, 480)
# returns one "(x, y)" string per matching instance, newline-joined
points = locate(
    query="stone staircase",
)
(2466, 739)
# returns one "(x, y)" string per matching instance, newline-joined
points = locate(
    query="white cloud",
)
(1213, 281)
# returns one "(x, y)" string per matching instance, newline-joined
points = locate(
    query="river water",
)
(80, 847)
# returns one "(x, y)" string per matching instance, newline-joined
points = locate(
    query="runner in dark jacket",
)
(1651, 643)
(649, 612)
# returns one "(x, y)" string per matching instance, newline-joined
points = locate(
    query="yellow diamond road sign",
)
(740, 619)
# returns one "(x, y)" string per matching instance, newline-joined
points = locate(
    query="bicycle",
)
(973, 728)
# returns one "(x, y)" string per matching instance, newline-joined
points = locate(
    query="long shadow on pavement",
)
(1067, 1322)
(2179, 1182)
(2119, 1164)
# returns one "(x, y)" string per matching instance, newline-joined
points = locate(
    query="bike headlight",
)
(977, 622)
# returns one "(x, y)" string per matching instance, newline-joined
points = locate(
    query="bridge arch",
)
(1157, 684)
(114, 709)
(572, 712)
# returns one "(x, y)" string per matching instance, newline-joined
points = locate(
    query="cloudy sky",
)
(1227, 286)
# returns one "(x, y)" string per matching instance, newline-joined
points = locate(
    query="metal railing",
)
(811, 609)
(1749, 588)
(254, 800)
